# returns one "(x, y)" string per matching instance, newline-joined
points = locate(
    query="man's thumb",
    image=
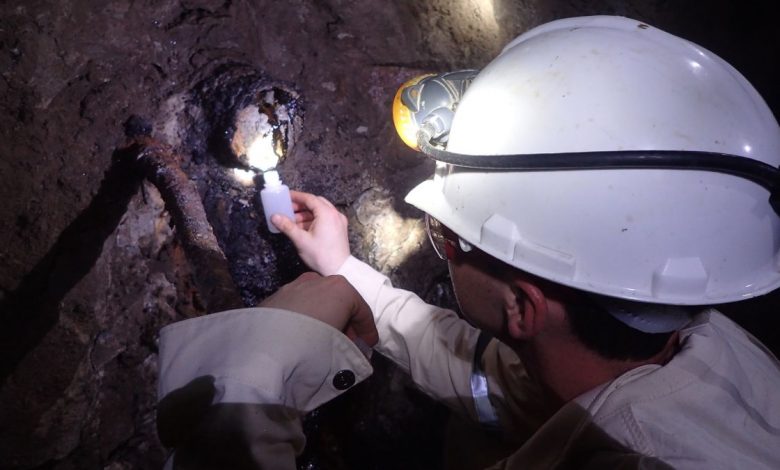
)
(285, 225)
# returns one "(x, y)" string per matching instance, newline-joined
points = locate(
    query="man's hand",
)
(330, 299)
(319, 232)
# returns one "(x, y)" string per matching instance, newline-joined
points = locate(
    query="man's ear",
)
(525, 308)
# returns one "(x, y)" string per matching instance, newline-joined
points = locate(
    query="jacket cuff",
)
(261, 355)
(365, 279)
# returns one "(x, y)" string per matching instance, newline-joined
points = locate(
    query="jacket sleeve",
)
(233, 385)
(488, 384)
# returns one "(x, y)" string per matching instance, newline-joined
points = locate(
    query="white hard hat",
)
(605, 84)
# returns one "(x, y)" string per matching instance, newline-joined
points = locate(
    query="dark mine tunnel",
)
(132, 134)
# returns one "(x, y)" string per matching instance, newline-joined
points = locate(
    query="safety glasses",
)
(446, 243)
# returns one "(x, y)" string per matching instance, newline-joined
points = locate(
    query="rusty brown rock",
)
(162, 167)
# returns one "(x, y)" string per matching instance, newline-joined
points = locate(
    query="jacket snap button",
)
(344, 379)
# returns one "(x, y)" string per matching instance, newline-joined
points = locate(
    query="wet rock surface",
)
(90, 266)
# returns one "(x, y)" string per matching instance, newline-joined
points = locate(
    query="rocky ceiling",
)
(91, 266)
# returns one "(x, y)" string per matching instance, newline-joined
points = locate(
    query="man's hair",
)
(601, 332)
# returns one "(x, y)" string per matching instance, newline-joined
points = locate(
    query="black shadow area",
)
(29, 312)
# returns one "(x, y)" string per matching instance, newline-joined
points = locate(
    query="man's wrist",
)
(334, 266)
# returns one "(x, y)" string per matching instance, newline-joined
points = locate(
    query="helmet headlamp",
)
(428, 102)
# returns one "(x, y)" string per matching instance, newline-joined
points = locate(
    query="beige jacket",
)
(233, 384)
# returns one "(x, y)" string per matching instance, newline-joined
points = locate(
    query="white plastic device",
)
(275, 197)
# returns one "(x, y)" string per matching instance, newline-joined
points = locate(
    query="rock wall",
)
(90, 267)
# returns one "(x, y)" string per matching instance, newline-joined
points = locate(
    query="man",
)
(630, 189)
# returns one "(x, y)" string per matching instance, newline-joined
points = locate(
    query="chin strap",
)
(756, 171)
(486, 414)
